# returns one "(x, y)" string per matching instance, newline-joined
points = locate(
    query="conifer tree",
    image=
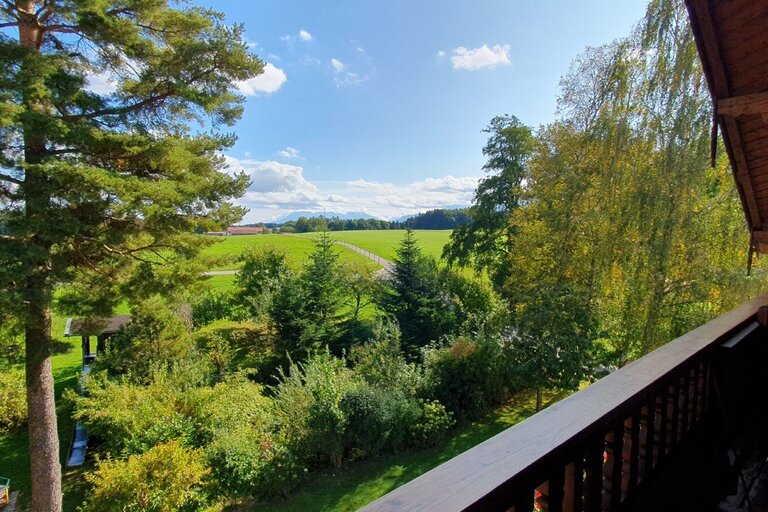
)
(95, 182)
(415, 299)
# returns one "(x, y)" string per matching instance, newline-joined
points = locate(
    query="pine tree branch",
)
(7, 25)
(6, 177)
(127, 109)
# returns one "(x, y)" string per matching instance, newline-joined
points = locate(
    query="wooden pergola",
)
(101, 328)
(732, 39)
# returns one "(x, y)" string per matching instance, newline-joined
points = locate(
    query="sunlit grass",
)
(297, 250)
(384, 243)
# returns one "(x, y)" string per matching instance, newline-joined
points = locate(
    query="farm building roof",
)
(732, 39)
(95, 326)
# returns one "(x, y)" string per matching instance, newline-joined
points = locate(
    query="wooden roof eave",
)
(727, 110)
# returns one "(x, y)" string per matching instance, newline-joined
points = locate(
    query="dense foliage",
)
(591, 241)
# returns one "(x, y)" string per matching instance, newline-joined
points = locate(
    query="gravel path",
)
(220, 272)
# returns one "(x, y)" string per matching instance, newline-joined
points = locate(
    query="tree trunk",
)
(45, 466)
(43, 435)
(538, 399)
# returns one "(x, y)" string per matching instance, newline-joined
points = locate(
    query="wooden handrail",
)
(668, 390)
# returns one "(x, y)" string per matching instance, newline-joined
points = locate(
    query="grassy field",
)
(297, 250)
(384, 243)
(353, 487)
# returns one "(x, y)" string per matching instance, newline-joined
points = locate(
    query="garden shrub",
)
(13, 400)
(307, 403)
(381, 361)
(167, 478)
(230, 344)
(250, 463)
(432, 424)
(227, 406)
(470, 374)
(377, 419)
(154, 337)
(212, 306)
(130, 417)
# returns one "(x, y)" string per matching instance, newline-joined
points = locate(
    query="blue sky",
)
(379, 106)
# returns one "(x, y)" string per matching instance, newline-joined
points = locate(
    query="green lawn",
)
(385, 242)
(355, 486)
(297, 249)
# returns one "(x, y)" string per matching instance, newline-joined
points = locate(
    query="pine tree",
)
(93, 184)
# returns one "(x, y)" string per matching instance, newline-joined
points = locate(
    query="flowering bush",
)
(432, 424)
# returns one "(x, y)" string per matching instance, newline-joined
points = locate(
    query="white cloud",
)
(344, 78)
(305, 36)
(479, 58)
(337, 65)
(278, 188)
(270, 176)
(441, 53)
(101, 83)
(289, 152)
(268, 82)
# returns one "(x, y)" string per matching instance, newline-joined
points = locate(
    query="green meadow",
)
(225, 250)
(384, 243)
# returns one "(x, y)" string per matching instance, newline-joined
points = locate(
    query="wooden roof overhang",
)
(732, 39)
(95, 326)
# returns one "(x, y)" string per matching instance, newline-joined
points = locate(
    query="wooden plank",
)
(593, 480)
(674, 411)
(734, 13)
(685, 385)
(555, 486)
(751, 123)
(617, 465)
(650, 434)
(709, 48)
(739, 163)
(695, 396)
(736, 106)
(493, 464)
(634, 452)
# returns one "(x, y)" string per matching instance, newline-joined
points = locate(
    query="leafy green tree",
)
(415, 299)
(489, 235)
(263, 270)
(155, 337)
(92, 182)
(362, 284)
(552, 340)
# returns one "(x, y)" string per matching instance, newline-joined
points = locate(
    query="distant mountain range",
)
(294, 216)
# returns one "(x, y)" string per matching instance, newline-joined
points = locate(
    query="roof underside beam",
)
(743, 105)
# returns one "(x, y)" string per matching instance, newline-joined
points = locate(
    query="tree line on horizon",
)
(439, 218)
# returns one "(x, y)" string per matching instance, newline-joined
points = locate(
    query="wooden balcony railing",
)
(596, 449)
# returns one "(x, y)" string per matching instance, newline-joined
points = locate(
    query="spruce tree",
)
(94, 183)
(415, 298)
